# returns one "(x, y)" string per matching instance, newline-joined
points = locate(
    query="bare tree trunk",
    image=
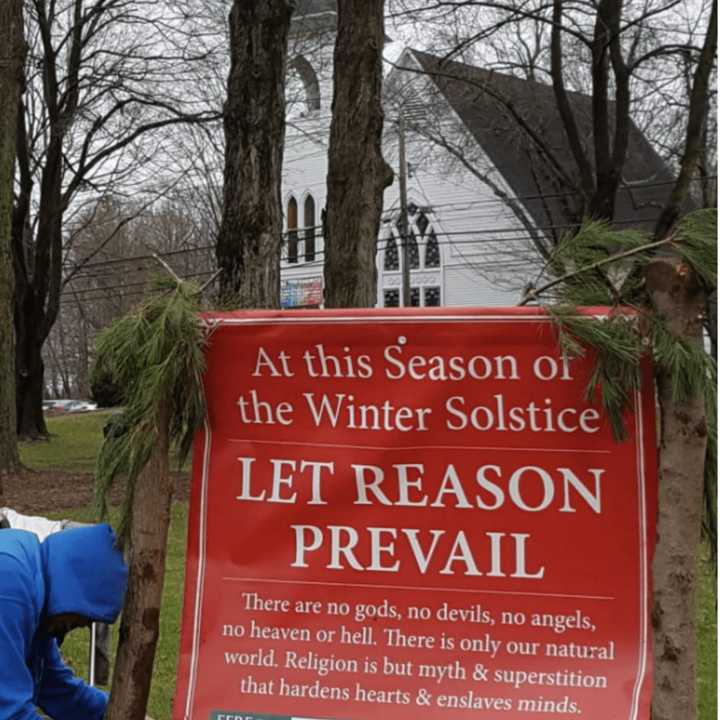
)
(37, 278)
(12, 57)
(30, 369)
(248, 244)
(357, 173)
(679, 299)
(140, 624)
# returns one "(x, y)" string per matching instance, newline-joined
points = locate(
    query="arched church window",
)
(309, 223)
(392, 259)
(292, 236)
(413, 251)
(432, 250)
(308, 77)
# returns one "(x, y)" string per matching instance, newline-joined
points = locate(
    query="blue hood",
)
(84, 573)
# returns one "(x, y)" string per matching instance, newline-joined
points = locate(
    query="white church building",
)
(482, 204)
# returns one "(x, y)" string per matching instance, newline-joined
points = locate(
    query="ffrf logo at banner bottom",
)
(417, 516)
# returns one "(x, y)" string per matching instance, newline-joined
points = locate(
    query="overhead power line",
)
(392, 212)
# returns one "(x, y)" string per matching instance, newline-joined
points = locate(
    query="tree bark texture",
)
(357, 172)
(30, 368)
(140, 626)
(38, 278)
(250, 236)
(12, 59)
(679, 299)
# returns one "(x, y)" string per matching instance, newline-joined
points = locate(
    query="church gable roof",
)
(492, 105)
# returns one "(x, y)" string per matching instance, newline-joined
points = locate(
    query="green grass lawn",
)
(707, 644)
(75, 440)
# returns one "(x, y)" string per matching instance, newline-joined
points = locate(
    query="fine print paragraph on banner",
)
(414, 515)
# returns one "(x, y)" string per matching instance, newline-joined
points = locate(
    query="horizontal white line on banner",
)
(415, 447)
(385, 319)
(412, 587)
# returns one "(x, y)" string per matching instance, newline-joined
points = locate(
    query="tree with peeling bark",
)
(679, 271)
(681, 294)
(357, 172)
(678, 296)
(249, 240)
(12, 80)
(156, 354)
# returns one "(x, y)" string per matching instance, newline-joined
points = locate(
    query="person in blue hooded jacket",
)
(72, 578)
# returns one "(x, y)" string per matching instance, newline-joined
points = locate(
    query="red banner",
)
(417, 516)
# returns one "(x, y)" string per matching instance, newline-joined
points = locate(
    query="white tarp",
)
(41, 526)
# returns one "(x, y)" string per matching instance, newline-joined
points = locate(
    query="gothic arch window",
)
(392, 259)
(309, 224)
(412, 242)
(423, 243)
(309, 79)
(432, 250)
(292, 235)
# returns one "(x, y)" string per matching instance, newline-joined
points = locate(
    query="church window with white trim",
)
(391, 261)
(432, 250)
(292, 235)
(309, 232)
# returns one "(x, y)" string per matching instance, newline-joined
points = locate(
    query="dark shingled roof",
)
(481, 99)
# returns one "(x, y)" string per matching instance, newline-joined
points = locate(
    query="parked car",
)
(81, 406)
(63, 406)
(57, 405)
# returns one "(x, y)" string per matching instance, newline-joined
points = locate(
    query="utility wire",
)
(392, 212)
(497, 262)
(516, 234)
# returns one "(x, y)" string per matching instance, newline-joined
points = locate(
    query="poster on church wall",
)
(301, 293)
(415, 515)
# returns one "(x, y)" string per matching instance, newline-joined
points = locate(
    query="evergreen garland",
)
(155, 354)
(630, 330)
(618, 350)
(696, 236)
